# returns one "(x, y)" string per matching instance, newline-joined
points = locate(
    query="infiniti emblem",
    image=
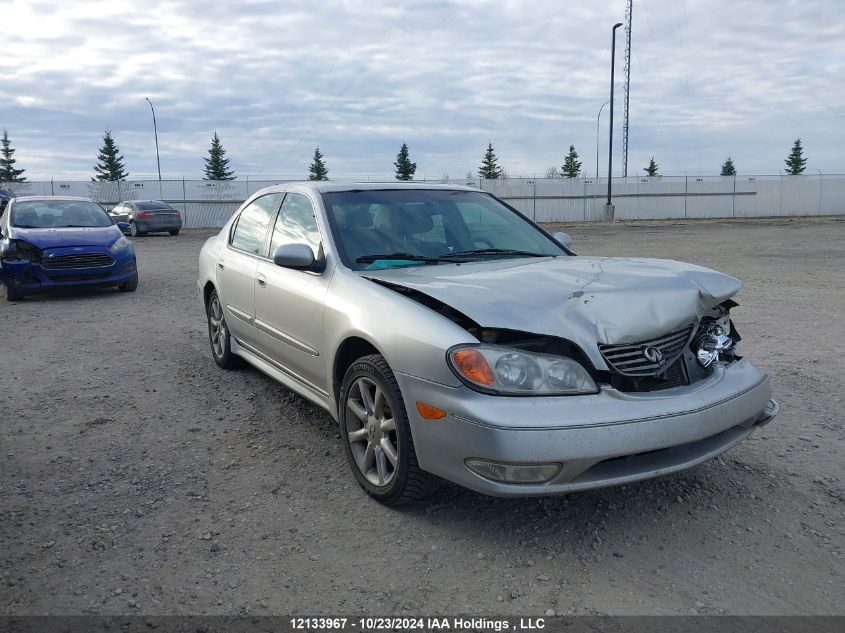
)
(652, 354)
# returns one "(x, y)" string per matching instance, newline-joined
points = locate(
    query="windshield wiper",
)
(494, 251)
(408, 257)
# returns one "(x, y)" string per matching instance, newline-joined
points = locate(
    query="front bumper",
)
(28, 277)
(605, 439)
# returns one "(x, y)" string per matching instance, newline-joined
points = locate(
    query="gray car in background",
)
(148, 216)
(451, 337)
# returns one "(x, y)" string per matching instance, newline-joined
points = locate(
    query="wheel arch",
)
(351, 349)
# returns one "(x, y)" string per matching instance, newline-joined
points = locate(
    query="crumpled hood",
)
(585, 299)
(83, 236)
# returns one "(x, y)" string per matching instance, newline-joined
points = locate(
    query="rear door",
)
(289, 303)
(236, 267)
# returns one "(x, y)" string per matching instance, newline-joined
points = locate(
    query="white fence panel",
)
(710, 197)
(832, 194)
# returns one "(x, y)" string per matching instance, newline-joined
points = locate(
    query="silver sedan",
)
(452, 338)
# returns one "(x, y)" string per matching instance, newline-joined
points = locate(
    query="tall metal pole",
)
(609, 205)
(155, 131)
(598, 119)
(629, 16)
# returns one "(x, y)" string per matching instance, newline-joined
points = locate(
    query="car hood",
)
(588, 300)
(83, 236)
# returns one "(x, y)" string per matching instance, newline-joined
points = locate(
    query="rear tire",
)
(174, 233)
(129, 286)
(218, 334)
(377, 435)
(12, 295)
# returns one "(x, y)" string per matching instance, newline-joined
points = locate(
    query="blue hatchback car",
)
(56, 242)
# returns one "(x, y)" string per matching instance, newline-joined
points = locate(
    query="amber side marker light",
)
(429, 412)
(472, 364)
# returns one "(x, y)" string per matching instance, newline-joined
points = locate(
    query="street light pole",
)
(598, 120)
(608, 207)
(155, 131)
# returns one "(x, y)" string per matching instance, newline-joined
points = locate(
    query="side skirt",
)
(283, 375)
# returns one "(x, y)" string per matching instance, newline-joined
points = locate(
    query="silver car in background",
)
(148, 216)
(453, 338)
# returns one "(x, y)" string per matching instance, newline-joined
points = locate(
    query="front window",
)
(50, 214)
(393, 227)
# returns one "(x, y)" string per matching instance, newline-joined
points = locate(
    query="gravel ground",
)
(137, 477)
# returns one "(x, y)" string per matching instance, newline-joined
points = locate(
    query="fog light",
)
(513, 473)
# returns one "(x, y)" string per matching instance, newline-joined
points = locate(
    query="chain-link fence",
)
(209, 203)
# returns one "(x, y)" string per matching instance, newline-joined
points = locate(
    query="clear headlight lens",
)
(506, 371)
(121, 244)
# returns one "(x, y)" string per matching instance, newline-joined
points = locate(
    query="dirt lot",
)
(137, 477)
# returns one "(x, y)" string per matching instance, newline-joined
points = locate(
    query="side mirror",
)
(296, 256)
(123, 226)
(563, 238)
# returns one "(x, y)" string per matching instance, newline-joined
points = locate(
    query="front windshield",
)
(407, 227)
(50, 214)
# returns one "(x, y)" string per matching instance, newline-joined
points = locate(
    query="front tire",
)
(218, 334)
(377, 435)
(12, 295)
(133, 230)
(129, 286)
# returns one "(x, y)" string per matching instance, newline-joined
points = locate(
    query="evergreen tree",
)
(571, 165)
(317, 170)
(795, 162)
(8, 173)
(728, 168)
(489, 167)
(109, 161)
(405, 169)
(217, 165)
(651, 170)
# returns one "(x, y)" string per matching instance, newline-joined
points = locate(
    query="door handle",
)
(262, 281)
(220, 264)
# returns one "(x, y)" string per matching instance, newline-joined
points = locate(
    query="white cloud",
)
(709, 78)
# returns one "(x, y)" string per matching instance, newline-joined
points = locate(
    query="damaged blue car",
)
(58, 242)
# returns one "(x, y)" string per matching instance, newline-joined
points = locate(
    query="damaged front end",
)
(17, 258)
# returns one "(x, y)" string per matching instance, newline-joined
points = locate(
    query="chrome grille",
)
(630, 359)
(77, 260)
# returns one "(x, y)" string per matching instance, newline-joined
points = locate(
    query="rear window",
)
(153, 205)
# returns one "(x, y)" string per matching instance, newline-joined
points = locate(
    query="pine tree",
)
(317, 170)
(728, 168)
(795, 162)
(8, 173)
(571, 165)
(651, 170)
(489, 167)
(405, 169)
(217, 165)
(109, 161)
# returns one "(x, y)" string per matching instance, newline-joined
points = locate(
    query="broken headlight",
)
(20, 251)
(716, 340)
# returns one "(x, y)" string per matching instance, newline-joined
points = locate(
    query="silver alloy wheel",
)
(371, 432)
(217, 327)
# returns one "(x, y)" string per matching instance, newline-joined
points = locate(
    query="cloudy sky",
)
(275, 78)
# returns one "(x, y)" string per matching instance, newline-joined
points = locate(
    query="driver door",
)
(289, 303)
